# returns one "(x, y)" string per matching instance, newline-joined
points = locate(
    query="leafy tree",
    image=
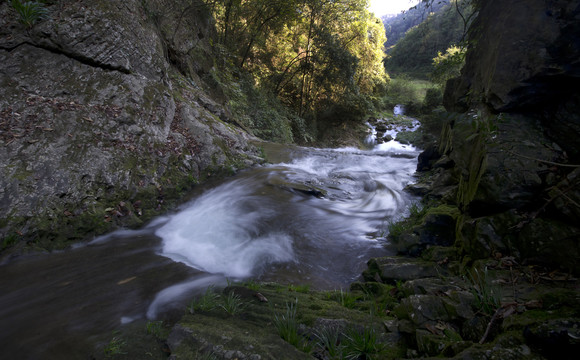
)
(315, 55)
(448, 65)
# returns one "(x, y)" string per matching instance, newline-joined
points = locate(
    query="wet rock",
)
(431, 286)
(474, 328)
(513, 176)
(566, 195)
(487, 235)
(393, 269)
(298, 188)
(555, 339)
(450, 306)
(421, 309)
(437, 228)
(537, 66)
(428, 157)
(525, 236)
(444, 163)
(441, 254)
(446, 344)
(381, 127)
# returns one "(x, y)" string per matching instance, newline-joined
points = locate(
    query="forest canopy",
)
(315, 56)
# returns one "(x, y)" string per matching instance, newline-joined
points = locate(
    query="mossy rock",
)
(391, 269)
(252, 332)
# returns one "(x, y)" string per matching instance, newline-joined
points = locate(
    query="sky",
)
(383, 7)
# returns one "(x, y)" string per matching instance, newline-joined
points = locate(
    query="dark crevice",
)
(77, 57)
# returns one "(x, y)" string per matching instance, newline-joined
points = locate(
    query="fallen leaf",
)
(124, 281)
(261, 297)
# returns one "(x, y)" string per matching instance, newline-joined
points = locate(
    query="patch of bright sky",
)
(384, 7)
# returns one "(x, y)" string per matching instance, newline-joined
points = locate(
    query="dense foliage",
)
(415, 52)
(321, 58)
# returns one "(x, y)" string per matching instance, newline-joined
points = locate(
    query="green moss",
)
(558, 298)
(9, 240)
(21, 174)
(443, 209)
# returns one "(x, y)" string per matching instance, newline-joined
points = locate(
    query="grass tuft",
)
(329, 340)
(155, 328)
(487, 296)
(115, 346)
(362, 344)
(286, 324)
(30, 12)
(207, 302)
(233, 303)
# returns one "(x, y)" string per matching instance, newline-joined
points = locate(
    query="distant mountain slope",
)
(397, 26)
(414, 52)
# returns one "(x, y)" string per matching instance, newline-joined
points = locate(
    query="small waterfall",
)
(382, 133)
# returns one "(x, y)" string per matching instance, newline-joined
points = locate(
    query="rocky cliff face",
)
(525, 58)
(107, 112)
(512, 168)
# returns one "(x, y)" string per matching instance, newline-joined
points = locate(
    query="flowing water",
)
(313, 216)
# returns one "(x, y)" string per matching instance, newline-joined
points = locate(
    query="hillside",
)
(435, 32)
(396, 26)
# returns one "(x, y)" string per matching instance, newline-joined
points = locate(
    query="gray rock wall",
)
(105, 116)
(524, 57)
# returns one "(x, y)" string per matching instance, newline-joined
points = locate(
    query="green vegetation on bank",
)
(444, 309)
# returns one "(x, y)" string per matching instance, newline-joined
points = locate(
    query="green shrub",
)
(304, 289)
(344, 298)
(397, 228)
(433, 98)
(448, 65)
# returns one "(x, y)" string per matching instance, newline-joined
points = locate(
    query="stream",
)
(311, 216)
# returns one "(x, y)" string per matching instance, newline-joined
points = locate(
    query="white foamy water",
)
(312, 218)
(222, 232)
